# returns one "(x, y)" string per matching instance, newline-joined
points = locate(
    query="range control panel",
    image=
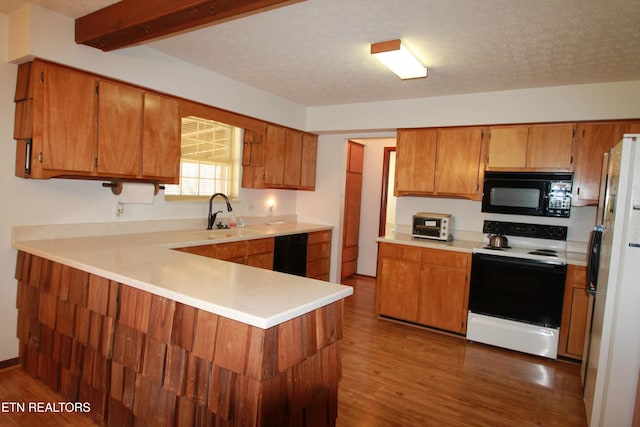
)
(521, 229)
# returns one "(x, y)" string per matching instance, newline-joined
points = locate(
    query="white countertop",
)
(575, 258)
(258, 297)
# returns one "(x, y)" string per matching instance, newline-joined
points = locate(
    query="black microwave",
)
(528, 193)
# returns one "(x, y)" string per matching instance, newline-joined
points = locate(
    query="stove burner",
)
(551, 251)
(496, 248)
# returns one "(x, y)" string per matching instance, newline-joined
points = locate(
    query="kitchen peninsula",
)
(144, 332)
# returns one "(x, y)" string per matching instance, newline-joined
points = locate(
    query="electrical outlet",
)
(250, 206)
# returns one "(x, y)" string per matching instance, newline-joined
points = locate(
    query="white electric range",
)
(516, 293)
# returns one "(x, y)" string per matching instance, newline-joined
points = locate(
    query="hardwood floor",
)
(16, 387)
(398, 375)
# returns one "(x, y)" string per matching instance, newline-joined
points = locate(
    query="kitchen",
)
(71, 201)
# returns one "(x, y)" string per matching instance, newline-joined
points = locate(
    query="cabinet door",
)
(319, 255)
(252, 159)
(161, 128)
(577, 321)
(594, 139)
(292, 158)
(309, 160)
(274, 149)
(416, 161)
(232, 251)
(551, 146)
(458, 164)
(119, 129)
(352, 209)
(442, 298)
(398, 281)
(630, 127)
(508, 147)
(68, 120)
(260, 253)
(444, 290)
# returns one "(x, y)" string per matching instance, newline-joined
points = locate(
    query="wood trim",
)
(9, 363)
(385, 46)
(131, 22)
(382, 226)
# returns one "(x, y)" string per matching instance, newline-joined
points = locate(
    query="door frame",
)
(384, 190)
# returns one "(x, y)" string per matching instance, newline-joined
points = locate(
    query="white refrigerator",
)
(612, 362)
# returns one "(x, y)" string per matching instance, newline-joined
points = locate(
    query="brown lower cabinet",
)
(259, 253)
(142, 359)
(319, 255)
(256, 253)
(430, 287)
(574, 313)
(423, 285)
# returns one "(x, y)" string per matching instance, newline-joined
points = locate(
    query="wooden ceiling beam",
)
(131, 22)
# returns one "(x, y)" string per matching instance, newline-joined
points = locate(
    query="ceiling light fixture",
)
(398, 59)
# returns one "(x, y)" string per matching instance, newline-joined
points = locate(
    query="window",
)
(209, 161)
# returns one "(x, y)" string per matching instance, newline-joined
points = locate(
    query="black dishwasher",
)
(290, 254)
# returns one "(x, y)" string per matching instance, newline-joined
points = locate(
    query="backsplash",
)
(58, 231)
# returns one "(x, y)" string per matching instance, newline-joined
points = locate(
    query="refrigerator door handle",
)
(595, 243)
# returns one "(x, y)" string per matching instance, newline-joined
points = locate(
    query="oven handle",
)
(498, 259)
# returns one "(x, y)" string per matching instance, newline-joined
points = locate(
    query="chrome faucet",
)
(212, 216)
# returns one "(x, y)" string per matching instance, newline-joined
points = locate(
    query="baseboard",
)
(360, 276)
(9, 363)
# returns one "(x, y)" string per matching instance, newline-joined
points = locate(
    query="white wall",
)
(561, 103)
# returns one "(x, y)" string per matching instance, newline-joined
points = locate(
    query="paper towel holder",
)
(116, 186)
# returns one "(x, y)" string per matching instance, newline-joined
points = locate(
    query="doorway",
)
(388, 200)
(352, 209)
(361, 257)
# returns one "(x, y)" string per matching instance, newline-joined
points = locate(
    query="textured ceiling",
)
(317, 52)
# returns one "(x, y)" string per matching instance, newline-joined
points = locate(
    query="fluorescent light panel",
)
(398, 59)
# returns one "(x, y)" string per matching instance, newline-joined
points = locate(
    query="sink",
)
(226, 233)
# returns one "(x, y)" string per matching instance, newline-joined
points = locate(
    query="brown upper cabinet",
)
(445, 162)
(541, 147)
(593, 140)
(282, 158)
(70, 123)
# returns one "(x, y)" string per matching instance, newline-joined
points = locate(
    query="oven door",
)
(517, 289)
(515, 196)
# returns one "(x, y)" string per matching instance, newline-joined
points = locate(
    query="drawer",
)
(319, 236)
(407, 253)
(204, 250)
(446, 258)
(231, 250)
(260, 246)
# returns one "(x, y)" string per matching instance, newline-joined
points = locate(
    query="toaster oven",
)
(433, 226)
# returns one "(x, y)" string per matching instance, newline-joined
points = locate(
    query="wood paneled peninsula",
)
(151, 335)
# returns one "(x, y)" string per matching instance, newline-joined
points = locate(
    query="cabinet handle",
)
(27, 157)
